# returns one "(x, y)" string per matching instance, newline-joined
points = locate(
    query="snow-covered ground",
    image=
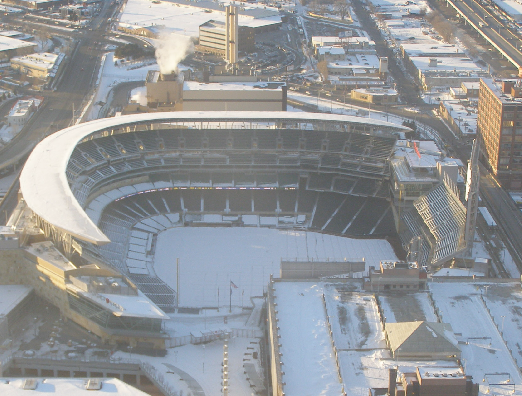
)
(6, 133)
(112, 75)
(212, 257)
(185, 18)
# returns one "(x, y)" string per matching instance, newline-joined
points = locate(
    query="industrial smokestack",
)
(231, 34)
(169, 77)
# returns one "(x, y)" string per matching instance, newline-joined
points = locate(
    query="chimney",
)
(392, 381)
(433, 62)
(168, 77)
(506, 86)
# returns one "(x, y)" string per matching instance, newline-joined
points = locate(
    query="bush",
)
(133, 51)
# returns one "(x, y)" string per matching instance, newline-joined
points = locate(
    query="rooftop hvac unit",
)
(93, 384)
(29, 384)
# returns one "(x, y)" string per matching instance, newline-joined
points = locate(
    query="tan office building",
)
(499, 129)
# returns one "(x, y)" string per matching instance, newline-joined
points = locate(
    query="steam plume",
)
(171, 49)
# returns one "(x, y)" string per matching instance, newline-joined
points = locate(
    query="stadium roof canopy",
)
(44, 183)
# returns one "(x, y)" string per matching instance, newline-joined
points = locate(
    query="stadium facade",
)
(102, 192)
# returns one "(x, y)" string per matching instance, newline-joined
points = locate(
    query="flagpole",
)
(230, 297)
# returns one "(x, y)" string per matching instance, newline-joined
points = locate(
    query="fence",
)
(174, 342)
(158, 379)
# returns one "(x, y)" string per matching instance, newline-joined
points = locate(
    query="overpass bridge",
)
(490, 28)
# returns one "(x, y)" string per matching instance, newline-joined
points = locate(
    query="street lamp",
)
(503, 317)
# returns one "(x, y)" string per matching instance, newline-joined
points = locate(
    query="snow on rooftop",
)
(357, 61)
(487, 216)
(307, 354)
(464, 116)
(185, 18)
(42, 60)
(233, 86)
(504, 303)
(483, 349)
(11, 10)
(8, 43)
(436, 48)
(496, 87)
(357, 333)
(362, 310)
(11, 296)
(457, 272)
(319, 41)
(14, 34)
(471, 84)
(419, 307)
(377, 91)
(45, 186)
(511, 7)
(459, 64)
(66, 387)
(49, 253)
(24, 106)
(452, 372)
(422, 161)
(125, 305)
(332, 50)
(424, 146)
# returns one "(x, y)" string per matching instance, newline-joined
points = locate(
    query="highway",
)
(489, 27)
(77, 81)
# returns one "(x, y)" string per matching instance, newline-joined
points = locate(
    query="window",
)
(509, 115)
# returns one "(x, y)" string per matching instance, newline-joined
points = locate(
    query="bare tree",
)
(470, 45)
(42, 38)
(442, 26)
(323, 69)
(342, 8)
(314, 6)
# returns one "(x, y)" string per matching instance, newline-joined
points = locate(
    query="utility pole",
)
(177, 282)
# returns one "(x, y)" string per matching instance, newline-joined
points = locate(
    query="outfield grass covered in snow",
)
(210, 258)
